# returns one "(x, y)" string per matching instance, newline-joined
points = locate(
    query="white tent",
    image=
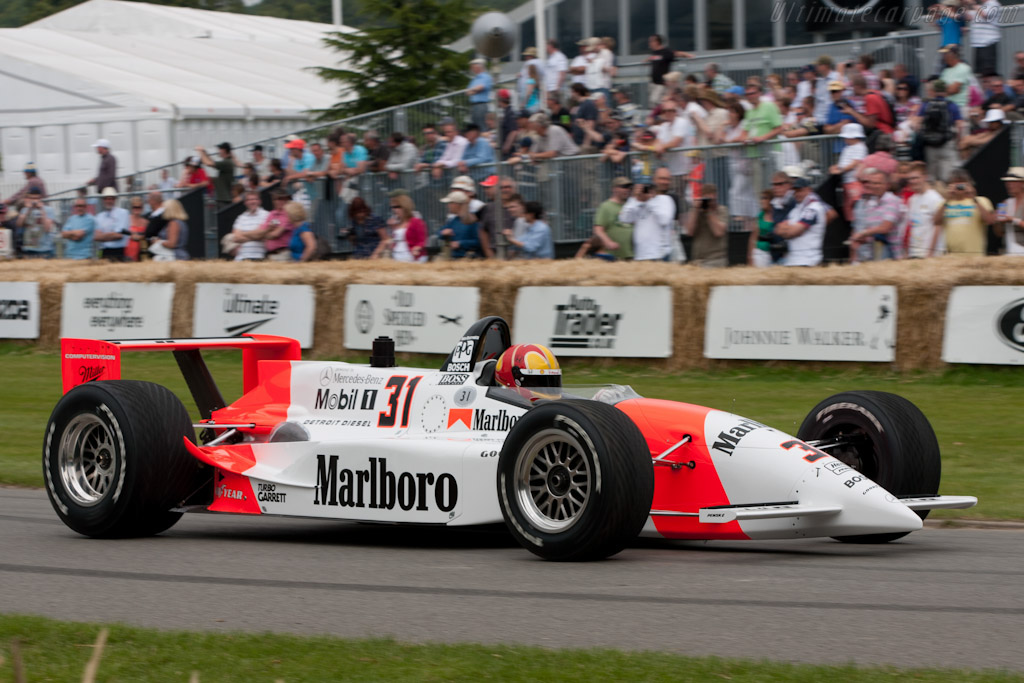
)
(155, 81)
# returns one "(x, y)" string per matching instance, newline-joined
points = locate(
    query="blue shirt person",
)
(479, 92)
(536, 242)
(77, 232)
(477, 153)
(34, 227)
(464, 238)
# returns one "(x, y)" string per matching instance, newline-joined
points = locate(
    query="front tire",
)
(575, 480)
(889, 440)
(114, 459)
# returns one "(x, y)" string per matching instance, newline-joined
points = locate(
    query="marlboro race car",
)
(575, 473)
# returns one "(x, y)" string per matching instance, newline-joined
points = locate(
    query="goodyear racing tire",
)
(114, 461)
(890, 441)
(575, 480)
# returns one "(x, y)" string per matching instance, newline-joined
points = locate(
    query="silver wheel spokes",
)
(87, 459)
(553, 481)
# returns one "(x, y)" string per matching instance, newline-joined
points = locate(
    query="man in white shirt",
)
(556, 68)
(822, 96)
(250, 247)
(112, 227)
(675, 131)
(924, 239)
(653, 217)
(578, 68)
(984, 24)
(804, 227)
(596, 64)
(453, 151)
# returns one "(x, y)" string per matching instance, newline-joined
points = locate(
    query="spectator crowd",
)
(701, 156)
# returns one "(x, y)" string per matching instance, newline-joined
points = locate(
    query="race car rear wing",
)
(87, 360)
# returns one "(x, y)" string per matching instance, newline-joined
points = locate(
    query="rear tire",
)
(892, 443)
(575, 480)
(114, 459)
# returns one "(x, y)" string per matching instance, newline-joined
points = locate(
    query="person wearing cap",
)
(478, 152)
(530, 59)
(1010, 216)
(35, 227)
(984, 20)
(957, 75)
(260, 161)
(193, 175)
(113, 227)
(225, 172)
(993, 123)
(838, 114)
(536, 242)
(950, 20)
(78, 231)
(964, 217)
(106, 176)
(854, 151)
(492, 221)
(32, 180)
(804, 226)
(479, 91)
(459, 233)
(615, 235)
(555, 68)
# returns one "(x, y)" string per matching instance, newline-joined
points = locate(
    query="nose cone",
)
(867, 508)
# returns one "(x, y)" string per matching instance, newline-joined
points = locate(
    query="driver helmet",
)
(531, 370)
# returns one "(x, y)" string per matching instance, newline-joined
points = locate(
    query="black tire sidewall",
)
(92, 520)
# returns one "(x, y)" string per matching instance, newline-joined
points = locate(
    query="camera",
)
(961, 187)
(705, 203)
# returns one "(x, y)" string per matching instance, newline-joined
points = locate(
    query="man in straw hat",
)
(1010, 215)
(113, 227)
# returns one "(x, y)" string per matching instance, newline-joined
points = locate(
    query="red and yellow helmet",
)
(530, 369)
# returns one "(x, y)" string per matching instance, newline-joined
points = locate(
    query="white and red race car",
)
(574, 478)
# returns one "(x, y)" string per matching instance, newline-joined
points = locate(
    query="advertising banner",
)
(834, 323)
(224, 309)
(617, 322)
(984, 325)
(419, 319)
(116, 310)
(19, 310)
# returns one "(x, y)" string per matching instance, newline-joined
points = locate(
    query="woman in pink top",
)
(408, 231)
(278, 228)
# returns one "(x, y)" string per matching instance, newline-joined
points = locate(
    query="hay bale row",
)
(923, 289)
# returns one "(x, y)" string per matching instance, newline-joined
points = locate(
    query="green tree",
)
(399, 55)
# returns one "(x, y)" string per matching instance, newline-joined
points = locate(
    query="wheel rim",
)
(87, 459)
(858, 452)
(553, 481)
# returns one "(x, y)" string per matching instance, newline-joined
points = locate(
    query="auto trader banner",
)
(984, 325)
(617, 322)
(420, 319)
(841, 323)
(116, 310)
(19, 310)
(224, 309)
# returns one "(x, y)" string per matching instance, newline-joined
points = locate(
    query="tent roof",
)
(164, 60)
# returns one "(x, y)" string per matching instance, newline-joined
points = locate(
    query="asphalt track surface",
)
(939, 598)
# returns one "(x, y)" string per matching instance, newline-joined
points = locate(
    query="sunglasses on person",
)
(79, 206)
(136, 206)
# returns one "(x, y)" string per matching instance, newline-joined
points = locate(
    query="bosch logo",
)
(1010, 325)
(326, 376)
(364, 316)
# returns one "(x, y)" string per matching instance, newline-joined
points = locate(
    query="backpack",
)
(935, 123)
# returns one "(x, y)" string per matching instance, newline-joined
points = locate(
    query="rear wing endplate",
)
(87, 360)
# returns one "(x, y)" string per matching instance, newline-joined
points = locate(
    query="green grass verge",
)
(976, 412)
(58, 651)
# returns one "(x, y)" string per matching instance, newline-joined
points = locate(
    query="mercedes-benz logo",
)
(325, 377)
(364, 316)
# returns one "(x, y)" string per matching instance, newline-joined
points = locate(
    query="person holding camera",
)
(708, 224)
(34, 227)
(652, 213)
(964, 217)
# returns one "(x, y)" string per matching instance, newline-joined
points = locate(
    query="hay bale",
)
(923, 289)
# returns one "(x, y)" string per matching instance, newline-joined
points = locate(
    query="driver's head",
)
(530, 369)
